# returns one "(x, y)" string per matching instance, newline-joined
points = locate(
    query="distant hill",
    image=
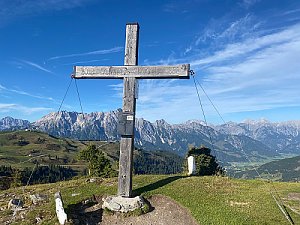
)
(282, 170)
(25, 148)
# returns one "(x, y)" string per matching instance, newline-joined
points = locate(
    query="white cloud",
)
(259, 72)
(255, 74)
(84, 62)
(37, 66)
(20, 92)
(5, 108)
(290, 12)
(227, 30)
(248, 3)
(177, 7)
(118, 88)
(11, 10)
(165, 99)
(97, 52)
(250, 45)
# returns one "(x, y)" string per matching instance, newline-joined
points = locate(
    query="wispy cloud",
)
(11, 10)
(259, 71)
(84, 62)
(176, 7)
(6, 108)
(35, 65)
(164, 99)
(248, 3)
(251, 45)
(219, 33)
(20, 92)
(255, 74)
(97, 52)
(118, 89)
(289, 12)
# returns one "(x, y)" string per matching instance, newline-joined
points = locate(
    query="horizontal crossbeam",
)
(141, 72)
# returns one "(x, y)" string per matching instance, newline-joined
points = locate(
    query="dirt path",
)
(166, 212)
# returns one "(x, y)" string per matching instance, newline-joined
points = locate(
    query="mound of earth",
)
(165, 211)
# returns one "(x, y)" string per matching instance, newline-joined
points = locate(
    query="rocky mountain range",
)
(281, 137)
(9, 123)
(231, 142)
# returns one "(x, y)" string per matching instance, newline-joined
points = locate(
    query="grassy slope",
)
(211, 200)
(37, 143)
(62, 151)
(66, 150)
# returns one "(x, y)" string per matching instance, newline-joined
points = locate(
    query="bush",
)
(206, 163)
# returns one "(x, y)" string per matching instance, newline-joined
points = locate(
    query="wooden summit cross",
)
(130, 72)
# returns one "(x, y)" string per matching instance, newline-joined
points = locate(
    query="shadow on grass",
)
(156, 185)
(86, 212)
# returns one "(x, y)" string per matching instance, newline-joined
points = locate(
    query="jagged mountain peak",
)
(9, 123)
(195, 122)
(161, 121)
(259, 121)
(8, 118)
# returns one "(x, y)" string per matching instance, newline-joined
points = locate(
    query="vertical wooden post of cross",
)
(129, 106)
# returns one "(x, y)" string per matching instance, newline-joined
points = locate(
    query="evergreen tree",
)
(98, 165)
(17, 178)
(6, 171)
(206, 163)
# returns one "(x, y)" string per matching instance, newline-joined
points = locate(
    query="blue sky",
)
(245, 54)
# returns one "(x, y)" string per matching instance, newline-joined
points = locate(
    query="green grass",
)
(211, 200)
(46, 211)
(214, 200)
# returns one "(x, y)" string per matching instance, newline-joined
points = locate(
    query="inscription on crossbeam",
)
(113, 72)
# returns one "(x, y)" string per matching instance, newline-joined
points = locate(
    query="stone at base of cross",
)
(123, 204)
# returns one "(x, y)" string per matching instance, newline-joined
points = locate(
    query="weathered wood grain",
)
(129, 105)
(131, 44)
(141, 72)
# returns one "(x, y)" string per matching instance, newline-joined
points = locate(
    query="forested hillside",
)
(281, 170)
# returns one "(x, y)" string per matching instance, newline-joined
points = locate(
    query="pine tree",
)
(98, 165)
(17, 179)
